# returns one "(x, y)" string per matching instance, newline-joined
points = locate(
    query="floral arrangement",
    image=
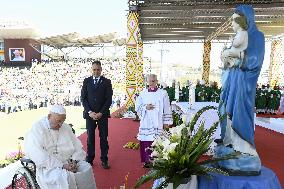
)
(11, 158)
(176, 153)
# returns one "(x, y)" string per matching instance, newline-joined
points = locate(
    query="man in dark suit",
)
(96, 96)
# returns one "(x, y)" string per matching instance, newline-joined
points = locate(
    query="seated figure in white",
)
(58, 154)
(239, 44)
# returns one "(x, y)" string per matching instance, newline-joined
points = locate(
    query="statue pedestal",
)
(266, 180)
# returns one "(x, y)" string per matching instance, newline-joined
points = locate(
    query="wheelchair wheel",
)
(24, 179)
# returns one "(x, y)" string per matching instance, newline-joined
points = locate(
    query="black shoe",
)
(90, 162)
(105, 165)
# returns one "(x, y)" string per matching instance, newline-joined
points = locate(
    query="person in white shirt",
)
(18, 56)
(154, 110)
(58, 154)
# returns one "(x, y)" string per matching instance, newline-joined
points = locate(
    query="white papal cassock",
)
(50, 150)
(151, 124)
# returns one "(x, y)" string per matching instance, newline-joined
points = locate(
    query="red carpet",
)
(269, 145)
(122, 161)
(269, 116)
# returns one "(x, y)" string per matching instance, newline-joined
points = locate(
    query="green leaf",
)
(216, 170)
(226, 157)
(195, 140)
(198, 114)
(151, 175)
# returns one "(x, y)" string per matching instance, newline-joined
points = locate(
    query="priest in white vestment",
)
(154, 110)
(58, 154)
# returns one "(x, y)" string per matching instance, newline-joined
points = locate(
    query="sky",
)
(94, 17)
(52, 17)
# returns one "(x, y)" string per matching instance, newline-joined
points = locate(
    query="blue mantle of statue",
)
(266, 180)
(237, 102)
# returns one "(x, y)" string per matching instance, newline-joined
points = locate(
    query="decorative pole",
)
(131, 54)
(140, 66)
(206, 61)
(276, 61)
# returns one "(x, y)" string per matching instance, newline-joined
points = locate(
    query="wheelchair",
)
(25, 177)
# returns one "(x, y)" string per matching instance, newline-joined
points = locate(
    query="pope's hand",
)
(150, 107)
(71, 166)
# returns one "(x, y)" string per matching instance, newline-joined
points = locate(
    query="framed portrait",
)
(17, 54)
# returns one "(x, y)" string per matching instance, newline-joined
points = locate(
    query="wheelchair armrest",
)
(26, 160)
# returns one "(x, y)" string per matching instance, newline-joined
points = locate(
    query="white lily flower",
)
(169, 149)
(158, 141)
(165, 156)
(182, 125)
(184, 118)
(154, 154)
(166, 143)
(179, 128)
(173, 131)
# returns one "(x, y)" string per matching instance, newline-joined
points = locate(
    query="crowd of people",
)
(50, 82)
(269, 100)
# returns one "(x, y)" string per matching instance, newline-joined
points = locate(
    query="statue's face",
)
(235, 25)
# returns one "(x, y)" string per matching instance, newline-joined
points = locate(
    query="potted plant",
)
(176, 153)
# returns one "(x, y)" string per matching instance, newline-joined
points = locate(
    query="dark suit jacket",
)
(96, 98)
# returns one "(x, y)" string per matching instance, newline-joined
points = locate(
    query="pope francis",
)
(58, 154)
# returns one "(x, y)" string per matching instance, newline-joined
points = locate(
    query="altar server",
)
(154, 111)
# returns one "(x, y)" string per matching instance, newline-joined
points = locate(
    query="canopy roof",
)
(74, 40)
(22, 30)
(203, 19)
(11, 29)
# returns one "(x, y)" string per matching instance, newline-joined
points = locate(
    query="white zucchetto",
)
(58, 109)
